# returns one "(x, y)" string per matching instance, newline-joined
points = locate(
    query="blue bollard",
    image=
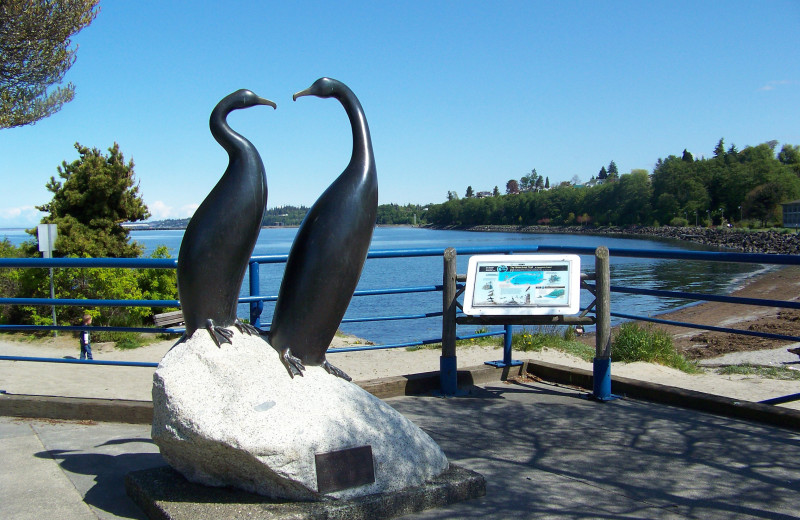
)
(602, 380)
(448, 375)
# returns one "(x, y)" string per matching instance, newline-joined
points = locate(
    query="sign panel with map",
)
(522, 285)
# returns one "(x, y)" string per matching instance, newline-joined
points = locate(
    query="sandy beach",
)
(60, 379)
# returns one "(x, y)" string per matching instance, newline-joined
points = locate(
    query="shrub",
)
(636, 343)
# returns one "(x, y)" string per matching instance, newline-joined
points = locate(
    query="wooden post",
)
(601, 374)
(603, 296)
(448, 372)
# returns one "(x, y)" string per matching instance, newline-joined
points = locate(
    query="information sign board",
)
(523, 285)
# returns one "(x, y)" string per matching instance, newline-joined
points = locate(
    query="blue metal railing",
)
(256, 301)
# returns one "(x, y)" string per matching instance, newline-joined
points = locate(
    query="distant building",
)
(791, 214)
(483, 194)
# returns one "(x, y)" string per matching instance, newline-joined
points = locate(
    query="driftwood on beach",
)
(772, 242)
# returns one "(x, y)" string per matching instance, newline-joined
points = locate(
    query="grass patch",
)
(551, 337)
(122, 340)
(783, 373)
(491, 341)
(634, 342)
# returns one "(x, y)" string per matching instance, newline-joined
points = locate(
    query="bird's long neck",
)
(233, 143)
(362, 143)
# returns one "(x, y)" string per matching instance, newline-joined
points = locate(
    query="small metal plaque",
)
(344, 469)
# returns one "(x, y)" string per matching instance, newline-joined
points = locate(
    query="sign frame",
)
(523, 285)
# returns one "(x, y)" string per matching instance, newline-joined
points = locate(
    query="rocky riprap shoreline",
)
(772, 242)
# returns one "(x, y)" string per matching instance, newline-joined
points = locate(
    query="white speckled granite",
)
(232, 416)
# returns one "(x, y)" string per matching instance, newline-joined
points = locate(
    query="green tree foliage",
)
(760, 202)
(95, 283)
(9, 278)
(394, 214)
(36, 53)
(678, 189)
(719, 150)
(789, 154)
(613, 171)
(283, 216)
(470, 192)
(529, 182)
(158, 284)
(97, 195)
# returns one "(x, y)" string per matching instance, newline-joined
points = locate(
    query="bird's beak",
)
(306, 92)
(262, 101)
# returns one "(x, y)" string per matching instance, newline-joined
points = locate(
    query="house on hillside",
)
(483, 194)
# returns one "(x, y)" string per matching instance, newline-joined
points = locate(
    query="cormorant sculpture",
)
(221, 235)
(329, 251)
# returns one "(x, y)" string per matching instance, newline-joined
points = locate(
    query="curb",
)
(141, 412)
(663, 394)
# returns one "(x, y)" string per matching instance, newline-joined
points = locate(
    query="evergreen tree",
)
(687, 157)
(496, 192)
(612, 169)
(719, 150)
(35, 54)
(547, 183)
(470, 193)
(96, 196)
(603, 174)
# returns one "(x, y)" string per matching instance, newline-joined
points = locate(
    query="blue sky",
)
(455, 93)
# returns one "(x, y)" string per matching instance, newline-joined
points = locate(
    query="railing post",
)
(509, 335)
(255, 307)
(448, 369)
(602, 360)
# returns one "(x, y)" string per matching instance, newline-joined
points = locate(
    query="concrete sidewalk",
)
(545, 451)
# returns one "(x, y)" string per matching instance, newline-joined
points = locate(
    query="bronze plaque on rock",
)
(344, 469)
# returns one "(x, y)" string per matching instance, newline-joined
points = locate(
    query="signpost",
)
(47, 234)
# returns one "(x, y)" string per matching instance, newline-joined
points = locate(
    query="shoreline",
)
(768, 242)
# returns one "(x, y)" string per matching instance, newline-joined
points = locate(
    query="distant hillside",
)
(293, 215)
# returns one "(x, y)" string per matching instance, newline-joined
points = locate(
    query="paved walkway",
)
(545, 450)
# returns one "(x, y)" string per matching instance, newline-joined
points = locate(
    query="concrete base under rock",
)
(163, 494)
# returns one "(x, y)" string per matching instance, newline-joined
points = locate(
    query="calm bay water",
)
(701, 277)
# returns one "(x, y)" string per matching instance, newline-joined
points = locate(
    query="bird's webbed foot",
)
(335, 371)
(292, 364)
(246, 328)
(220, 335)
